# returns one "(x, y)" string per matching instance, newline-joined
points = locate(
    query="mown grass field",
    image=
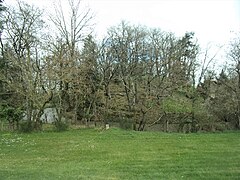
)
(119, 154)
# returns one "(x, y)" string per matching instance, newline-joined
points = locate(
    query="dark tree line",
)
(137, 77)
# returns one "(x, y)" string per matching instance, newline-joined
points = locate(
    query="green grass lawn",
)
(119, 154)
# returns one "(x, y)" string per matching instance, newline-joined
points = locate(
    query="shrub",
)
(220, 127)
(61, 126)
(126, 123)
(11, 115)
(26, 126)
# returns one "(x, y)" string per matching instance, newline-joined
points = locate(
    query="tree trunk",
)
(127, 95)
(143, 121)
(166, 125)
(29, 110)
(40, 112)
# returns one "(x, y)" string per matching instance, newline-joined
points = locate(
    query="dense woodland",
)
(137, 77)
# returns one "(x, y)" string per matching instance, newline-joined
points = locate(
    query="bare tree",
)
(72, 26)
(234, 55)
(24, 74)
(108, 69)
(125, 41)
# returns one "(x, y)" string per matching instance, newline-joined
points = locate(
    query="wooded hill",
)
(138, 77)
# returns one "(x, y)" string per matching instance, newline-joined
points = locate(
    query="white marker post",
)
(107, 126)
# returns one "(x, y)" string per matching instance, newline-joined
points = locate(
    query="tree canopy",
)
(138, 77)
